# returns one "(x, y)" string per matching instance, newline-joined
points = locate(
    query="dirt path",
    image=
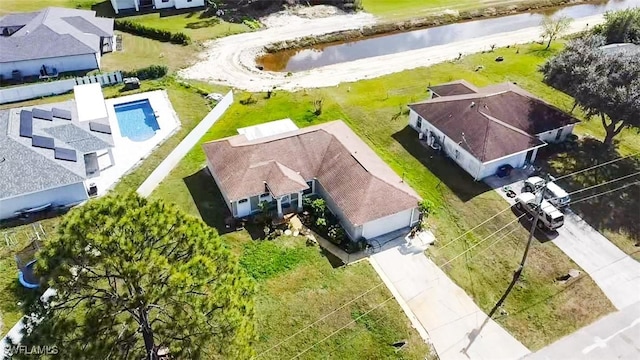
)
(231, 60)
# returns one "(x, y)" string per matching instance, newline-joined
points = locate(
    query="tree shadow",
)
(616, 211)
(445, 169)
(209, 201)
(202, 23)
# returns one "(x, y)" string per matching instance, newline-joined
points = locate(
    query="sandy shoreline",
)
(231, 60)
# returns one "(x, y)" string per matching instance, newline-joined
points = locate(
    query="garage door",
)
(386, 224)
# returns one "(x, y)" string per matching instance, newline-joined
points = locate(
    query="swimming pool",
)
(137, 120)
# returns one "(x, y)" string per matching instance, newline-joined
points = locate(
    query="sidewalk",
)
(444, 310)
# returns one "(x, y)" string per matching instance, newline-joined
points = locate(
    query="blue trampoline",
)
(26, 261)
(26, 276)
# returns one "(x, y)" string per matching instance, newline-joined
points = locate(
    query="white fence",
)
(185, 146)
(26, 92)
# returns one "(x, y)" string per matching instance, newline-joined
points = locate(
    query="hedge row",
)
(152, 33)
(148, 73)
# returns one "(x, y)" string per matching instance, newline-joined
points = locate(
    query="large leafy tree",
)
(604, 85)
(134, 278)
(621, 26)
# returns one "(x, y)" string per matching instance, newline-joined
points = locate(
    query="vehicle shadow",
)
(445, 169)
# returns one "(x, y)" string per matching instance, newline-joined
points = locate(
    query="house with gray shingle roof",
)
(52, 41)
(48, 157)
(328, 160)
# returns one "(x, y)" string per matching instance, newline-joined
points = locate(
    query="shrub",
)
(148, 73)
(319, 207)
(321, 223)
(152, 33)
(336, 234)
(248, 101)
(426, 207)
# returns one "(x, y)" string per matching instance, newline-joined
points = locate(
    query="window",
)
(242, 201)
(419, 122)
(265, 195)
(310, 189)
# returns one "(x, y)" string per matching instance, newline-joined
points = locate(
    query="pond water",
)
(323, 55)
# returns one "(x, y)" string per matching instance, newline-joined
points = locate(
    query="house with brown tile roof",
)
(328, 160)
(483, 129)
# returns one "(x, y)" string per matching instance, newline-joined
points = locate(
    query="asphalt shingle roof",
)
(53, 32)
(76, 138)
(25, 168)
(497, 121)
(356, 179)
(24, 171)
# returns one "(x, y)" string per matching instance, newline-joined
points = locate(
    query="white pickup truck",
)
(549, 217)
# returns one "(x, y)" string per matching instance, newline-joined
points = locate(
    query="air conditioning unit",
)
(420, 135)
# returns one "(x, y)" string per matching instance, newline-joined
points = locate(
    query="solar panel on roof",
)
(98, 127)
(42, 142)
(61, 113)
(65, 154)
(26, 123)
(42, 114)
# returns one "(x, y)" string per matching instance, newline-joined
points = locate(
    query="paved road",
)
(616, 273)
(444, 310)
(616, 336)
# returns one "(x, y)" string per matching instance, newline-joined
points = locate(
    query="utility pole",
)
(518, 272)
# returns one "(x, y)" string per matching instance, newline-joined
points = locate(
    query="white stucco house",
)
(51, 41)
(482, 129)
(137, 5)
(48, 155)
(327, 160)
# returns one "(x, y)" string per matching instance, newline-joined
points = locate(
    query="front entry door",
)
(286, 201)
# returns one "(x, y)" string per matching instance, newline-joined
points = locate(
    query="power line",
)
(604, 183)
(322, 318)
(456, 257)
(519, 270)
(555, 179)
(481, 241)
(342, 328)
(609, 191)
(596, 166)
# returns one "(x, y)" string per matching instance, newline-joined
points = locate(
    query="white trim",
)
(47, 189)
(517, 153)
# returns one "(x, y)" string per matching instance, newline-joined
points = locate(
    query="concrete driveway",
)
(616, 273)
(436, 304)
(616, 336)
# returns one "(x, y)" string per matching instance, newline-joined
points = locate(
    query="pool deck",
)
(126, 152)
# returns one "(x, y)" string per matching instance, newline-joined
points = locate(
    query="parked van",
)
(550, 217)
(554, 193)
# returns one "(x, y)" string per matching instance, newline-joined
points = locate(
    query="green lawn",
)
(540, 310)
(198, 25)
(414, 8)
(139, 52)
(297, 285)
